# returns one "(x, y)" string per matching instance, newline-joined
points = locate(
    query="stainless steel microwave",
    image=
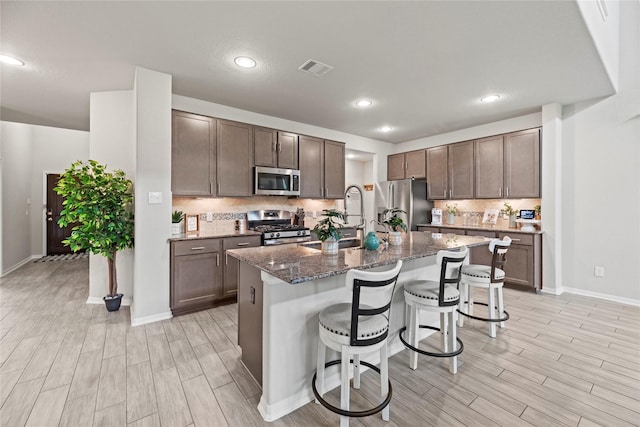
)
(277, 182)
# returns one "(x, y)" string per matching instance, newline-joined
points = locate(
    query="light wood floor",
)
(564, 360)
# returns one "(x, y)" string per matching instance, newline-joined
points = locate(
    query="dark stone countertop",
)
(297, 264)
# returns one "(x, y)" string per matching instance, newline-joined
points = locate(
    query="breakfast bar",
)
(281, 292)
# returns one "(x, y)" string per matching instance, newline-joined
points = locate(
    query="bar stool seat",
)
(490, 277)
(355, 329)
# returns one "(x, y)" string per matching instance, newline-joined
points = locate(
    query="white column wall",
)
(16, 150)
(152, 106)
(112, 143)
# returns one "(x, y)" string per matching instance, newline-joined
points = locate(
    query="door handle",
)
(243, 244)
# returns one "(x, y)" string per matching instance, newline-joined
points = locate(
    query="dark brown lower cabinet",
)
(232, 265)
(250, 319)
(196, 275)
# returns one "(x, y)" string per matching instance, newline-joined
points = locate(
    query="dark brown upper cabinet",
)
(275, 149)
(461, 170)
(437, 173)
(411, 164)
(489, 167)
(321, 168)
(234, 159)
(193, 155)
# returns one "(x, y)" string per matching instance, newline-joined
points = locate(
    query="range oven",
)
(276, 182)
(276, 227)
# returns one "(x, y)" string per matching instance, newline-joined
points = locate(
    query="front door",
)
(55, 234)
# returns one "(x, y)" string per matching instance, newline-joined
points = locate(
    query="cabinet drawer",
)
(489, 234)
(458, 231)
(240, 242)
(429, 229)
(191, 247)
(518, 239)
(349, 232)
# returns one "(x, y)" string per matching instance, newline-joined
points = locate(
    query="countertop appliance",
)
(436, 216)
(276, 182)
(410, 195)
(276, 227)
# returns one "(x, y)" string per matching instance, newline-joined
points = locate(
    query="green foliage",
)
(100, 202)
(330, 225)
(508, 209)
(392, 221)
(452, 209)
(537, 209)
(177, 216)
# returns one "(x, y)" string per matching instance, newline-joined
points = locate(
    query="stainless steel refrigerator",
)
(410, 195)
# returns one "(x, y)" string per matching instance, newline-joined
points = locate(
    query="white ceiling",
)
(424, 64)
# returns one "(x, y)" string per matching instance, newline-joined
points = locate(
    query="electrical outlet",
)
(598, 271)
(209, 216)
(313, 214)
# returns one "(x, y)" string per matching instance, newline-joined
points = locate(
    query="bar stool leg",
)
(356, 371)
(464, 307)
(344, 388)
(500, 306)
(384, 379)
(470, 300)
(490, 311)
(320, 368)
(453, 343)
(414, 319)
(443, 332)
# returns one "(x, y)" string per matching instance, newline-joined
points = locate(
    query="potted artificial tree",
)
(176, 222)
(101, 203)
(394, 225)
(329, 229)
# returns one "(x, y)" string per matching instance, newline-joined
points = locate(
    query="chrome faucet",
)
(360, 227)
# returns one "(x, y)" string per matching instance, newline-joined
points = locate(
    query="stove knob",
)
(272, 235)
(300, 233)
(277, 234)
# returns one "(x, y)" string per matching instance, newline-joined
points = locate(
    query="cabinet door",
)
(192, 155)
(480, 254)
(232, 265)
(264, 147)
(437, 172)
(195, 280)
(287, 150)
(489, 167)
(333, 170)
(395, 166)
(235, 159)
(311, 167)
(522, 164)
(428, 229)
(461, 170)
(415, 164)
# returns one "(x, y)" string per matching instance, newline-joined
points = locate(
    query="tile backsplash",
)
(480, 205)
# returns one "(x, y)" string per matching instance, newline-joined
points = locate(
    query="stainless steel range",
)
(276, 227)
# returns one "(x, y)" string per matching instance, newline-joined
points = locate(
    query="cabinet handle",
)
(326, 191)
(217, 259)
(445, 193)
(500, 190)
(279, 146)
(406, 165)
(507, 191)
(211, 187)
(218, 186)
(197, 248)
(226, 258)
(243, 244)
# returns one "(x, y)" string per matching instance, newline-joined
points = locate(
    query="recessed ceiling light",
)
(351, 156)
(386, 129)
(5, 59)
(490, 98)
(364, 103)
(245, 62)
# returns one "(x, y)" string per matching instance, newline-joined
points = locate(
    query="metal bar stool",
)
(354, 329)
(441, 297)
(490, 278)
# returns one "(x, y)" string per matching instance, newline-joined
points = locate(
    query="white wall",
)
(16, 151)
(112, 142)
(54, 149)
(601, 180)
(152, 106)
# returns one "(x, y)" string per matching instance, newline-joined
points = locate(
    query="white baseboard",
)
(606, 297)
(20, 264)
(138, 321)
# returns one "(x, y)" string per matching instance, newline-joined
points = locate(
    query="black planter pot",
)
(112, 302)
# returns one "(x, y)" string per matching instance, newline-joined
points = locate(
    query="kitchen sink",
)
(342, 244)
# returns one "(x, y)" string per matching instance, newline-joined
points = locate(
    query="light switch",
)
(209, 216)
(155, 197)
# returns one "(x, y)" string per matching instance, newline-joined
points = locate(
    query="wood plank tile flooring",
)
(562, 361)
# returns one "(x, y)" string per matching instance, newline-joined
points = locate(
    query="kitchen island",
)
(283, 289)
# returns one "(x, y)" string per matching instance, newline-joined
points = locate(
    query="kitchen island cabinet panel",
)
(231, 265)
(193, 148)
(461, 170)
(489, 167)
(522, 164)
(234, 159)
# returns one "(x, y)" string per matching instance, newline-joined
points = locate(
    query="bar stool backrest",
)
(499, 249)
(372, 288)
(450, 263)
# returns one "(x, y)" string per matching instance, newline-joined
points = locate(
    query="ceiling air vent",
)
(316, 68)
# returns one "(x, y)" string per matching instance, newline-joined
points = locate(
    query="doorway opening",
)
(55, 233)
